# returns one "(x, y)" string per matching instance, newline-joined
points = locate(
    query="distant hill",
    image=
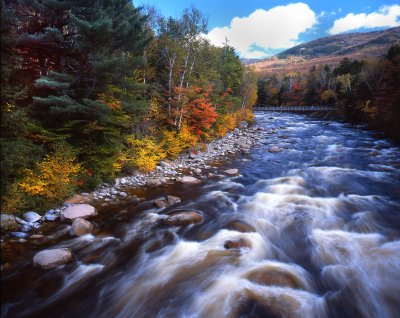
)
(249, 61)
(330, 50)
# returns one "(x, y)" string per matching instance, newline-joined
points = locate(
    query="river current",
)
(318, 236)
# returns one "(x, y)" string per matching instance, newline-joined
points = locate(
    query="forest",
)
(365, 91)
(100, 88)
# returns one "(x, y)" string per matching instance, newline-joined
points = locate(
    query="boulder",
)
(81, 227)
(161, 203)
(240, 226)
(31, 217)
(173, 200)
(78, 211)
(179, 218)
(232, 172)
(190, 180)
(239, 243)
(52, 258)
(275, 276)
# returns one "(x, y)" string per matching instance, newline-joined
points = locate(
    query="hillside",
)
(330, 50)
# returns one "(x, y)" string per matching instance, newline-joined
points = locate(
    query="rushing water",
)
(326, 214)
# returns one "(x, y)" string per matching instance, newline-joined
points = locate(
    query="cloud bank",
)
(276, 28)
(386, 16)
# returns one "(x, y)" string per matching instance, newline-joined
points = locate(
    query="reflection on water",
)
(316, 234)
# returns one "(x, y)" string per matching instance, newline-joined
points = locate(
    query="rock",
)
(274, 276)
(243, 125)
(232, 172)
(81, 227)
(180, 218)
(190, 180)
(164, 164)
(8, 222)
(31, 217)
(52, 258)
(152, 183)
(50, 217)
(274, 149)
(18, 234)
(123, 194)
(78, 211)
(173, 200)
(197, 171)
(237, 243)
(240, 226)
(161, 203)
(36, 236)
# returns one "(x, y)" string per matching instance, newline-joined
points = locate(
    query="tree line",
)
(363, 91)
(94, 89)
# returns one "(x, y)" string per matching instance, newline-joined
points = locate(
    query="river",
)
(326, 218)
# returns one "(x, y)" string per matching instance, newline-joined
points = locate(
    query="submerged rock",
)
(183, 218)
(237, 243)
(78, 211)
(274, 149)
(52, 258)
(241, 226)
(173, 200)
(81, 227)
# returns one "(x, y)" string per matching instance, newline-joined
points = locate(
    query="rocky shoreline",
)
(188, 168)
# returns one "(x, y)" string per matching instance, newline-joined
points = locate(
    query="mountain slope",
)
(330, 50)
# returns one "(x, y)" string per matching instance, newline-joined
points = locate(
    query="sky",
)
(261, 28)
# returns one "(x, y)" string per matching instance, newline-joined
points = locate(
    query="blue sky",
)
(260, 28)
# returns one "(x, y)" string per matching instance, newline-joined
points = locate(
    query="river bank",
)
(189, 168)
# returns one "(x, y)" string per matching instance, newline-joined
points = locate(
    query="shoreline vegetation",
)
(92, 93)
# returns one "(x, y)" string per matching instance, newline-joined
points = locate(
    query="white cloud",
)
(386, 16)
(276, 28)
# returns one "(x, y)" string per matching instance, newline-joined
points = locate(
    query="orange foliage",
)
(109, 100)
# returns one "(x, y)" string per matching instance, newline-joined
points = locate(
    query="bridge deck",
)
(294, 108)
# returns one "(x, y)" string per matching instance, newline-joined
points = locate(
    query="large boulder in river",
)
(78, 211)
(232, 172)
(239, 243)
(190, 180)
(52, 258)
(240, 226)
(81, 227)
(179, 218)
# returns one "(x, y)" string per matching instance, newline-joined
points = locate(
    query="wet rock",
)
(153, 183)
(240, 226)
(18, 234)
(8, 222)
(274, 149)
(173, 200)
(232, 172)
(123, 194)
(31, 216)
(51, 217)
(190, 180)
(197, 171)
(273, 275)
(183, 218)
(78, 211)
(237, 243)
(161, 203)
(52, 258)
(81, 227)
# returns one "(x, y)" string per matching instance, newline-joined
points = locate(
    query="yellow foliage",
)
(143, 153)
(328, 96)
(171, 143)
(110, 101)
(186, 137)
(54, 177)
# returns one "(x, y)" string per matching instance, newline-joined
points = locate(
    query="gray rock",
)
(19, 234)
(50, 217)
(190, 180)
(31, 217)
(78, 211)
(232, 172)
(123, 194)
(197, 171)
(52, 258)
(81, 227)
(161, 203)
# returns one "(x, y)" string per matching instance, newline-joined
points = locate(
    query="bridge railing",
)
(294, 108)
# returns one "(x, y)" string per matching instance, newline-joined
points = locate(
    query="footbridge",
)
(295, 109)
